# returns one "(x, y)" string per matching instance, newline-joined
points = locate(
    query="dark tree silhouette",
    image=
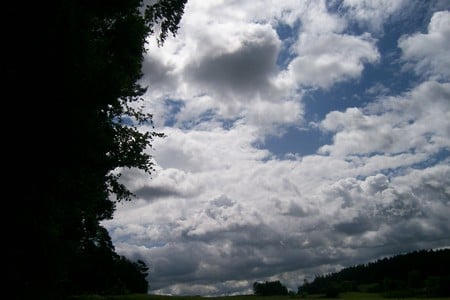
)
(71, 75)
(420, 273)
(269, 288)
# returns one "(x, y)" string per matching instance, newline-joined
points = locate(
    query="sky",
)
(302, 137)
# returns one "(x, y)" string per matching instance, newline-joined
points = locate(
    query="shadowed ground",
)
(344, 296)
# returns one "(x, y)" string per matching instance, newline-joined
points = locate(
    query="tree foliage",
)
(419, 273)
(269, 288)
(72, 71)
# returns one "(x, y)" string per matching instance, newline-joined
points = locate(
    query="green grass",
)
(343, 296)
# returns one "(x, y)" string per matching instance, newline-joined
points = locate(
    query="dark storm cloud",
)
(158, 74)
(151, 193)
(223, 201)
(293, 209)
(177, 262)
(251, 235)
(404, 206)
(296, 210)
(356, 226)
(200, 263)
(242, 71)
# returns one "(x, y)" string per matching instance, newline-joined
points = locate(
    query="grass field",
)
(343, 296)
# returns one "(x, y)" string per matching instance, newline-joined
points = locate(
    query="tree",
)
(332, 290)
(425, 273)
(72, 75)
(269, 288)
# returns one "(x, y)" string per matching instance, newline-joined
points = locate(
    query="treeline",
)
(269, 288)
(420, 273)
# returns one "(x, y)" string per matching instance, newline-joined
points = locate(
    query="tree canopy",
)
(72, 70)
(419, 273)
(269, 288)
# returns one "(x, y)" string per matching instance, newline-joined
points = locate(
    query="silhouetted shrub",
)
(269, 288)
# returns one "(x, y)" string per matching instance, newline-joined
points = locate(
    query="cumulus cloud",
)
(429, 51)
(329, 58)
(223, 63)
(221, 212)
(412, 122)
(372, 13)
(245, 216)
(245, 69)
(224, 241)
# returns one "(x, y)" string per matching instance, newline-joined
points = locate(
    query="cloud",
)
(221, 212)
(390, 213)
(213, 149)
(231, 77)
(245, 69)
(378, 216)
(329, 58)
(259, 218)
(428, 52)
(237, 76)
(378, 89)
(356, 226)
(412, 122)
(370, 13)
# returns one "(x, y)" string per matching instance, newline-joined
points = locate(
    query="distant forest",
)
(424, 273)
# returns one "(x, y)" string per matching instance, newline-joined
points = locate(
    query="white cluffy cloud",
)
(325, 59)
(221, 212)
(429, 51)
(372, 13)
(393, 125)
(224, 60)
